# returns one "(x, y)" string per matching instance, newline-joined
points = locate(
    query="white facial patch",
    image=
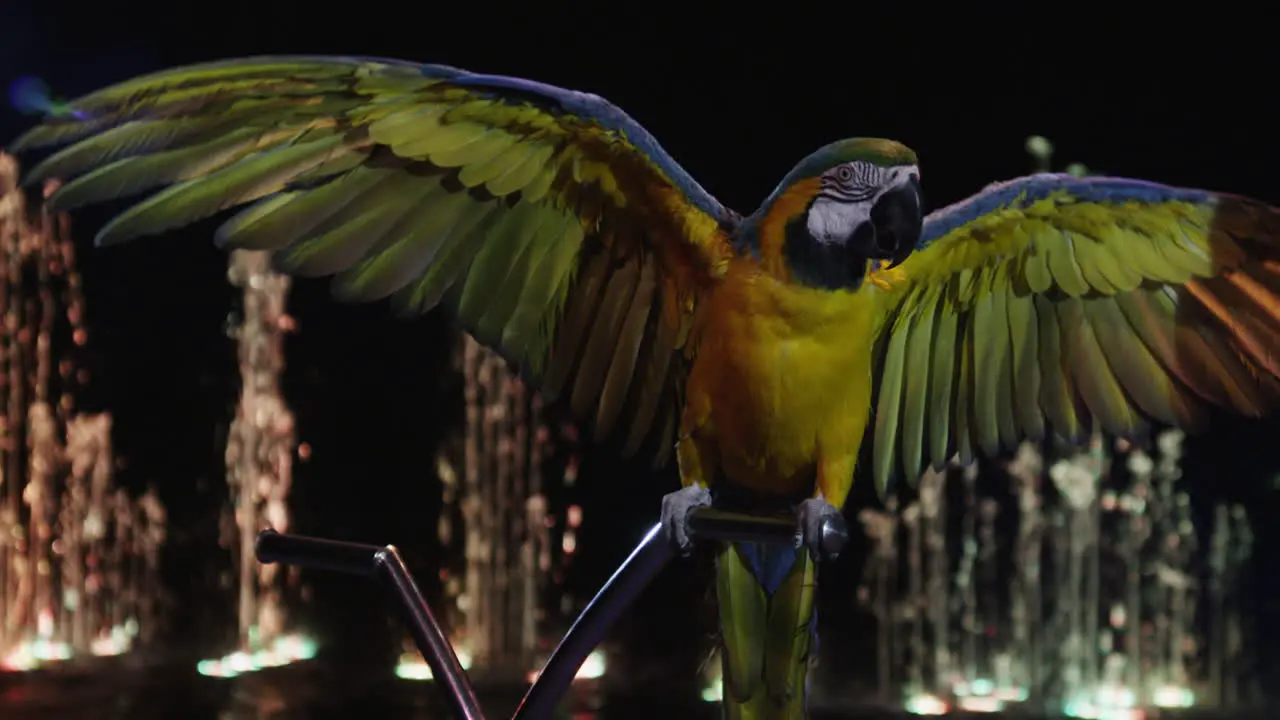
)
(833, 221)
(847, 195)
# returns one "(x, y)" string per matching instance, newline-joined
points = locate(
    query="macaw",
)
(764, 350)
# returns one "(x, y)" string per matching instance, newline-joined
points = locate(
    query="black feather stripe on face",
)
(851, 182)
(828, 266)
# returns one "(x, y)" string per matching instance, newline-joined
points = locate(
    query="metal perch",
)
(644, 563)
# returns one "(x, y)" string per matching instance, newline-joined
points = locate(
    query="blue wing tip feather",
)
(1024, 191)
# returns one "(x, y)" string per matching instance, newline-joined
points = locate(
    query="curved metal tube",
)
(386, 565)
(641, 566)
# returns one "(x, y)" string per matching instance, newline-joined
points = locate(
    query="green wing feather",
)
(546, 221)
(1050, 302)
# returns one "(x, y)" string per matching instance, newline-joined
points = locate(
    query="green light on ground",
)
(926, 705)
(713, 690)
(284, 650)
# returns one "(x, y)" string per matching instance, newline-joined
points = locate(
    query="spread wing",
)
(1050, 301)
(547, 221)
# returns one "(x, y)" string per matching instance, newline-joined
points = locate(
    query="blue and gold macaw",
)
(761, 348)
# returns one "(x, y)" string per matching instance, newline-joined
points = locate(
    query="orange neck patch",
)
(773, 225)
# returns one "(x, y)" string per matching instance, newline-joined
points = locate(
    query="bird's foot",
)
(881, 275)
(676, 507)
(822, 528)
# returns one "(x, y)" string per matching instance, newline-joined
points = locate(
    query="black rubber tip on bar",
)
(316, 553)
(835, 535)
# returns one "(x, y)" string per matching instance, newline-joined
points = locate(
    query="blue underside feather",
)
(769, 564)
(1025, 191)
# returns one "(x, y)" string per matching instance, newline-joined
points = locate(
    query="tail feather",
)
(767, 631)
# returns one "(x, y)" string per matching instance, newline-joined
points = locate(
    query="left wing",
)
(1049, 300)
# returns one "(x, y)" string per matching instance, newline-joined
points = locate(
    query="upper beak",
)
(897, 219)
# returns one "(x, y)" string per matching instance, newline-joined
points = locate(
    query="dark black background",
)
(1183, 97)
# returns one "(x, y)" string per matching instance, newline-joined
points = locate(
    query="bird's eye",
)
(844, 174)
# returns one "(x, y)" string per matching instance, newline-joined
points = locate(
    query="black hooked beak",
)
(897, 218)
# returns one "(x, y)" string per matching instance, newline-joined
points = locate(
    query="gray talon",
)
(676, 507)
(822, 528)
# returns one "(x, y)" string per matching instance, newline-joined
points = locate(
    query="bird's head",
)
(850, 202)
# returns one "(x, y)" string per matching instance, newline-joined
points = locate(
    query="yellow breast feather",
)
(786, 370)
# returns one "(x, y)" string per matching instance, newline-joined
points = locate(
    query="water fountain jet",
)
(259, 457)
(505, 569)
(79, 558)
(1103, 579)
